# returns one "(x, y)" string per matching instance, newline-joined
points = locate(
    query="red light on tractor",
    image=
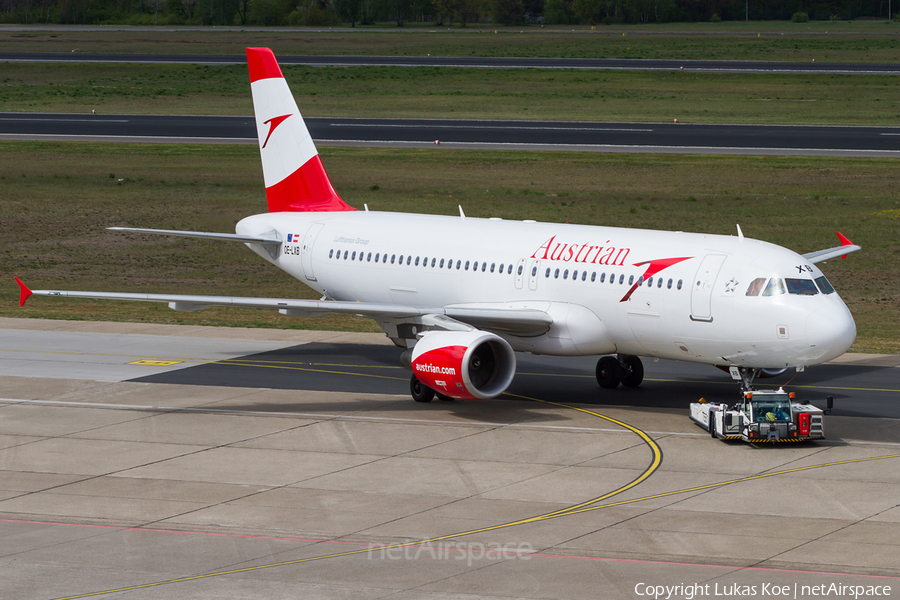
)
(804, 423)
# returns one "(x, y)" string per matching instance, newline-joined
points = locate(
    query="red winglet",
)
(844, 242)
(24, 292)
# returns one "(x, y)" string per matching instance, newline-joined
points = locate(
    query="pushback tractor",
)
(761, 416)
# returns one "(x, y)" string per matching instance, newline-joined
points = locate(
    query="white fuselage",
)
(692, 305)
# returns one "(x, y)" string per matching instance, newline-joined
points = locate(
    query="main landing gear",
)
(422, 393)
(623, 368)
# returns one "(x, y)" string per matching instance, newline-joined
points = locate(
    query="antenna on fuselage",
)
(740, 233)
(462, 215)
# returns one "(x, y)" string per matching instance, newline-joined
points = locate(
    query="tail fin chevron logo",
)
(273, 123)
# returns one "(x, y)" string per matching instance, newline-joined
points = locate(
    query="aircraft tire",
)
(634, 374)
(420, 392)
(609, 372)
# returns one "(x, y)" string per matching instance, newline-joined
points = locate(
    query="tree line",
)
(317, 13)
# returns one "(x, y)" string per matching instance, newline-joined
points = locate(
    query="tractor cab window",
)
(771, 411)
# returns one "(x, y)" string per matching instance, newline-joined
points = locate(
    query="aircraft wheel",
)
(609, 372)
(634, 371)
(420, 392)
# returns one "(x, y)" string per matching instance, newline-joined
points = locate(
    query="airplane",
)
(462, 295)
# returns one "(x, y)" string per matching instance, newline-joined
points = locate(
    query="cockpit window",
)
(756, 286)
(824, 285)
(801, 287)
(775, 287)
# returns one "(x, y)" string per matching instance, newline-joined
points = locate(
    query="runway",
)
(513, 135)
(168, 462)
(694, 66)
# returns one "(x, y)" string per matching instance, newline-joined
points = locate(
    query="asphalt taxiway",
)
(694, 138)
(169, 462)
(477, 62)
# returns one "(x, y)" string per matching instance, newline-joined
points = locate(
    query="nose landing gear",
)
(623, 368)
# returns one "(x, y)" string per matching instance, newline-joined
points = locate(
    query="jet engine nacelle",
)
(466, 365)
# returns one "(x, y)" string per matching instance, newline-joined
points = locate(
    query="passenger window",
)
(483, 267)
(509, 270)
(520, 270)
(630, 279)
(384, 258)
(493, 267)
(475, 266)
(621, 279)
(393, 256)
(594, 276)
(467, 265)
(458, 264)
(669, 285)
(583, 275)
(556, 274)
(369, 258)
(401, 259)
(801, 287)
(574, 275)
(659, 283)
(433, 261)
(346, 253)
(501, 268)
(377, 256)
(566, 274)
(650, 282)
(679, 283)
(824, 285)
(417, 261)
(353, 256)
(602, 277)
(442, 263)
(775, 287)
(756, 286)
(533, 271)
(331, 253)
(547, 273)
(408, 259)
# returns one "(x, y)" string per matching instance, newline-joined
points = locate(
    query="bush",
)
(800, 17)
(715, 18)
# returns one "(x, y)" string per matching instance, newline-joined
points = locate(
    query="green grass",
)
(862, 41)
(462, 93)
(54, 217)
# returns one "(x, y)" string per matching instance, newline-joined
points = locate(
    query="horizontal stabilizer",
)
(225, 237)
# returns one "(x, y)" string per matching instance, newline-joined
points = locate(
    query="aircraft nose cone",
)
(831, 329)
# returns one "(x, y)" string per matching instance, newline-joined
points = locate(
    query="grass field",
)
(858, 41)
(461, 93)
(54, 218)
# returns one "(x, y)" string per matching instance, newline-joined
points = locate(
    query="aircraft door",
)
(704, 281)
(534, 273)
(520, 274)
(306, 250)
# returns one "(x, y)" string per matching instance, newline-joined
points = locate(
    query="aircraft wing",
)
(523, 322)
(843, 250)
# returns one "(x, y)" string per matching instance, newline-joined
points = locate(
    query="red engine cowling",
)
(466, 365)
